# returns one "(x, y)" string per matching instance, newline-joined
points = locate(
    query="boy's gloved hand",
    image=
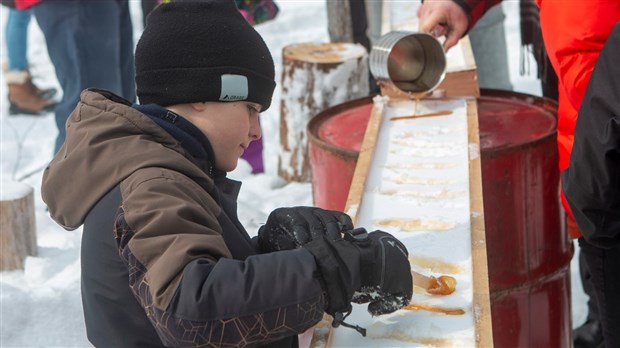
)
(375, 265)
(291, 228)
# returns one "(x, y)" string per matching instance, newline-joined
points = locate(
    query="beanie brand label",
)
(234, 87)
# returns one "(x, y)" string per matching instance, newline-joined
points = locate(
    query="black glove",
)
(375, 264)
(387, 285)
(291, 228)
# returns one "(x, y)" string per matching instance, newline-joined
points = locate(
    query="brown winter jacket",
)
(164, 256)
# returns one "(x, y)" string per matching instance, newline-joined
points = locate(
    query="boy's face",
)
(230, 127)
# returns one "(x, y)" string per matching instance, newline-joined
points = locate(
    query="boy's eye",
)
(253, 109)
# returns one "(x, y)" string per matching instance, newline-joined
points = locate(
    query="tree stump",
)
(315, 76)
(17, 225)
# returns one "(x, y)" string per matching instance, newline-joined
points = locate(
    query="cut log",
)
(315, 76)
(17, 225)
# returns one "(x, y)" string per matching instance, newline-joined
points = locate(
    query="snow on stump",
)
(17, 225)
(315, 76)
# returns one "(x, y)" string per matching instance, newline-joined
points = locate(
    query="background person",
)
(90, 44)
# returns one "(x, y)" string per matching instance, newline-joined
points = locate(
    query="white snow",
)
(12, 190)
(41, 306)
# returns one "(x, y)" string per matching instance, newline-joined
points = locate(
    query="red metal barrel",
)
(335, 138)
(528, 252)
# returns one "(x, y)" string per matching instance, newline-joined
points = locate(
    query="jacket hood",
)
(107, 140)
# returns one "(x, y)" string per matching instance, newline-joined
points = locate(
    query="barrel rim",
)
(542, 101)
(316, 121)
(498, 94)
(485, 93)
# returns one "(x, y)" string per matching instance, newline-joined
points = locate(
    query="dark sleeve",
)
(591, 183)
(262, 299)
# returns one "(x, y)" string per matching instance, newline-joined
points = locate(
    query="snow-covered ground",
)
(40, 306)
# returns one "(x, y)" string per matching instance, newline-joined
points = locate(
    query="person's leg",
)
(610, 315)
(590, 333)
(549, 81)
(374, 15)
(84, 43)
(488, 43)
(17, 39)
(127, 69)
(147, 7)
(359, 22)
(588, 288)
(24, 97)
(604, 267)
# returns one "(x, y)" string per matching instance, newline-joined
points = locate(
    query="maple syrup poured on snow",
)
(415, 111)
(423, 307)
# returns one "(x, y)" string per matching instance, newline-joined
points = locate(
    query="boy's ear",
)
(199, 106)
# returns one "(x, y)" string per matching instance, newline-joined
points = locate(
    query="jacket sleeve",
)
(475, 9)
(591, 183)
(574, 36)
(192, 290)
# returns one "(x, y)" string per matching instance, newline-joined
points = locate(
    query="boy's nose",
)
(255, 131)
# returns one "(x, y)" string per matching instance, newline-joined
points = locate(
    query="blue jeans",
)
(90, 44)
(16, 33)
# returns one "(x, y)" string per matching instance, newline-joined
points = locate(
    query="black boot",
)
(588, 335)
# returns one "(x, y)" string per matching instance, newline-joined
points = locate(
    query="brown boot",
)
(47, 93)
(24, 96)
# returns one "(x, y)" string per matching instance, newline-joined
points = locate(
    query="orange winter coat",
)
(574, 33)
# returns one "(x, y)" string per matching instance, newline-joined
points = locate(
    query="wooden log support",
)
(315, 76)
(17, 225)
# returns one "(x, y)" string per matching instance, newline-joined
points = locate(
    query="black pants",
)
(588, 287)
(604, 268)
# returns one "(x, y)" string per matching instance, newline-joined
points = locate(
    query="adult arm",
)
(451, 18)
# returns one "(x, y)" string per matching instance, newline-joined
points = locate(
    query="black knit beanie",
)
(194, 51)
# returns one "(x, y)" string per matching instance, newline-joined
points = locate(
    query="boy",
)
(165, 261)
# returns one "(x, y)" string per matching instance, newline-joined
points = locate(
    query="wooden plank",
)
(484, 327)
(365, 158)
